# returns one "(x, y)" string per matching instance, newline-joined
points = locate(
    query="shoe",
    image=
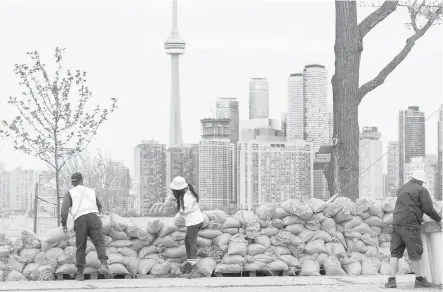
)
(80, 275)
(392, 283)
(194, 271)
(186, 268)
(104, 269)
(423, 283)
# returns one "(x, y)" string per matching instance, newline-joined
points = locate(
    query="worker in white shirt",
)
(85, 208)
(187, 200)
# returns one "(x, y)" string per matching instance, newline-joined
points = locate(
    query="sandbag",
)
(131, 229)
(56, 235)
(209, 233)
(66, 269)
(310, 267)
(237, 245)
(232, 259)
(118, 235)
(313, 225)
(362, 228)
(328, 225)
(280, 213)
(303, 211)
(342, 216)
(277, 223)
(167, 229)
(29, 254)
(106, 224)
(403, 267)
(269, 231)
(334, 248)
(376, 209)
(306, 235)
(315, 246)
(18, 245)
(115, 258)
(138, 244)
(127, 252)
(175, 252)
(355, 245)
(216, 217)
(4, 251)
(147, 250)
(230, 223)
(255, 249)
(388, 218)
(232, 231)
(203, 242)
(370, 266)
(29, 268)
(290, 260)
(145, 265)
(355, 221)
(264, 258)
(369, 240)
(385, 268)
(290, 206)
(40, 258)
(353, 268)
(374, 221)
(145, 236)
(262, 240)
(222, 239)
(118, 222)
(320, 217)
(245, 217)
(166, 241)
(161, 269)
(266, 211)
(317, 205)
(17, 263)
(121, 243)
(206, 266)
(388, 204)
(333, 267)
(15, 276)
(178, 235)
(322, 258)
(155, 226)
(132, 264)
(118, 269)
(323, 235)
(376, 230)
(224, 268)
(252, 266)
(43, 273)
(92, 260)
(277, 265)
(53, 255)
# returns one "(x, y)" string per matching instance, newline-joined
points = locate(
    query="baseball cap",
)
(76, 177)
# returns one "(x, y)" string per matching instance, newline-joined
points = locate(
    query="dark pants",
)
(89, 225)
(191, 241)
(409, 238)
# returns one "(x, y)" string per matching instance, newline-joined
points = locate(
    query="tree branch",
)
(377, 16)
(388, 69)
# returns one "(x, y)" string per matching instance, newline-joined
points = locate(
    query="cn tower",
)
(175, 46)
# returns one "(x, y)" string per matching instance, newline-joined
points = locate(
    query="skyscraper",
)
(258, 98)
(393, 168)
(175, 46)
(284, 124)
(216, 165)
(371, 175)
(227, 108)
(17, 189)
(412, 137)
(439, 180)
(150, 174)
(295, 117)
(183, 161)
(273, 172)
(316, 115)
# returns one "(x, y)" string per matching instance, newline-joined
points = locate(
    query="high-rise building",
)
(118, 190)
(316, 115)
(284, 124)
(412, 137)
(295, 116)
(439, 179)
(227, 108)
(175, 46)
(393, 168)
(150, 174)
(371, 170)
(273, 172)
(17, 188)
(216, 165)
(322, 158)
(258, 98)
(261, 129)
(385, 186)
(183, 161)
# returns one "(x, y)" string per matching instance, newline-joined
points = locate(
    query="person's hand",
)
(65, 229)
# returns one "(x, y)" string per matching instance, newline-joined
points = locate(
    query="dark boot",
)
(392, 283)
(80, 274)
(193, 272)
(422, 283)
(104, 269)
(186, 268)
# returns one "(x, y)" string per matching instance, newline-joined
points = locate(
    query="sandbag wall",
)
(300, 237)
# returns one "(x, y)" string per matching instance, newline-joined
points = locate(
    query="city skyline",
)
(274, 84)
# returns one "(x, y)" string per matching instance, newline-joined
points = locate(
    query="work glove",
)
(65, 229)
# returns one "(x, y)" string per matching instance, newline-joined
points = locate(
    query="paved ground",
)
(246, 284)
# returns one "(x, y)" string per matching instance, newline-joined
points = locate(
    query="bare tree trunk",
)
(345, 85)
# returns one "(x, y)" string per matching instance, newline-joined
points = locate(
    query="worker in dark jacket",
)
(413, 200)
(85, 208)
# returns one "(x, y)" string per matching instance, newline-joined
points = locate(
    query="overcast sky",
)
(120, 45)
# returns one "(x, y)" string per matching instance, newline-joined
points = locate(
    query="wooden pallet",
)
(90, 276)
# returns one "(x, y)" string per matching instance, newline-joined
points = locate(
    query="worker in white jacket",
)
(85, 208)
(186, 201)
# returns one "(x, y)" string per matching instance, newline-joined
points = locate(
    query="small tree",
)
(49, 126)
(343, 171)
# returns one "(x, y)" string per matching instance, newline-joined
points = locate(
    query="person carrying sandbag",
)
(413, 200)
(186, 200)
(85, 208)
